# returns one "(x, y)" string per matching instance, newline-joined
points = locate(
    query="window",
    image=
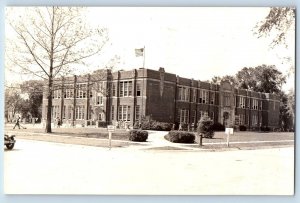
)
(70, 112)
(274, 107)
(69, 91)
(242, 102)
(55, 111)
(193, 119)
(112, 112)
(81, 91)
(125, 88)
(99, 99)
(184, 116)
(64, 112)
(183, 94)
(124, 113)
(212, 98)
(226, 99)
(137, 112)
(194, 95)
(203, 97)
(255, 104)
(113, 89)
(260, 106)
(254, 119)
(79, 112)
(138, 89)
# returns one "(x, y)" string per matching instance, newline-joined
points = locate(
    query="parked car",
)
(9, 141)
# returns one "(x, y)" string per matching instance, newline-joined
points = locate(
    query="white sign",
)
(229, 131)
(111, 128)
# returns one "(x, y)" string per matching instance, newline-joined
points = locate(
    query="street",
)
(37, 167)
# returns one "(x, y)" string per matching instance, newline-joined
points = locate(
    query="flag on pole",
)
(139, 52)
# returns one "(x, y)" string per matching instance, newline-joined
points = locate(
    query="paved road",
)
(36, 167)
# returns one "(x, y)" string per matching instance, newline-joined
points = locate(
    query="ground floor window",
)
(112, 112)
(79, 112)
(254, 120)
(137, 112)
(55, 112)
(202, 114)
(184, 116)
(124, 113)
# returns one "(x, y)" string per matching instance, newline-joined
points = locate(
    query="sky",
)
(191, 42)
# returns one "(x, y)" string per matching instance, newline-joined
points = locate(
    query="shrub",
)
(138, 135)
(180, 137)
(102, 124)
(218, 127)
(265, 129)
(153, 125)
(205, 127)
(243, 128)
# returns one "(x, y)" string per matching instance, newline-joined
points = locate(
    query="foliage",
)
(13, 101)
(218, 127)
(205, 127)
(280, 20)
(180, 137)
(138, 135)
(149, 124)
(242, 128)
(49, 41)
(263, 78)
(34, 89)
(287, 111)
(231, 79)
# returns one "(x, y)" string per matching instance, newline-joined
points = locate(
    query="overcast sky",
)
(195, 43)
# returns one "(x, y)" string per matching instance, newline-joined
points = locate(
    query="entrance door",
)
(225, 119)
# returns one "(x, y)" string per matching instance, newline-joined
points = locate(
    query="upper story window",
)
(183, 94)
(69, 91)
(203, 97)
(99, 99)
(226, 99)
(138, 89)
(255, 104)
(81, 90)
(125, 88)
(242, 102)
(212, 98)
(113, 89)
(194, 97)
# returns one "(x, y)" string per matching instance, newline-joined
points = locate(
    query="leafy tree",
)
(204, 128)
(34, 89)
(286, 113)
(231, 79)
(50, 41)
(263, 78)
(280, 20)
(13, 101)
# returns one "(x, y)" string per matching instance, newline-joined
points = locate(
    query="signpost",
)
(110, 129)
(228, 131)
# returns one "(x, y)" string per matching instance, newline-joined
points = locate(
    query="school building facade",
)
(125, 96)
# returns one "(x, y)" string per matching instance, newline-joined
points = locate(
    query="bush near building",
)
(205, 127)
(180, 137)
(218, 127)
(138, 135)
(242, 128)
(153, 125)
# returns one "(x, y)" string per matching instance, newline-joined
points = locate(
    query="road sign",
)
(111, 128)
(228, 131)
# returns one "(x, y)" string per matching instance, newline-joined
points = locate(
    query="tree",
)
(280, 20)
(231, 79)
(204, 128)
(50, 41)
(34, 89)
(13, 102)
(263, 78)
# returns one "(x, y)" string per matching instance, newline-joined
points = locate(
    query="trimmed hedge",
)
(243, 128)
(180, 137)
(138, 135)
(153, 125)
(218, 127)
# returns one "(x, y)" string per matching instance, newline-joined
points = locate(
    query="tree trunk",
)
(48, 122)
(200, 140)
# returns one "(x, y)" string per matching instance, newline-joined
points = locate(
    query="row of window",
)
(241, 119)
(183, 115)
(242, 103)
(185, 93)
(124, 112)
